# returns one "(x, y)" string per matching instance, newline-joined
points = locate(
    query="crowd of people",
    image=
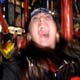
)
(47, 55)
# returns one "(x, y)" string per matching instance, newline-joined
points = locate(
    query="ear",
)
(57, 37)
(28, 37)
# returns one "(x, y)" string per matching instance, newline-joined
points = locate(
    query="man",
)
(43, 30)
(44, 56)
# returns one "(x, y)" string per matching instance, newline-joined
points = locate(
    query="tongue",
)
(44, 34)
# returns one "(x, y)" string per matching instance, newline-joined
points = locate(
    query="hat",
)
(39, 10)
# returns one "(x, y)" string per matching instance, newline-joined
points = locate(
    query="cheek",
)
(53, 38)
(53, 33)
(33, 32)
(32, 28)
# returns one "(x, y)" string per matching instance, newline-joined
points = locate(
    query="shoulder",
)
(73, 50)
(68, 70)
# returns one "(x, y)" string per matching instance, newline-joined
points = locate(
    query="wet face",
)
(43, 30)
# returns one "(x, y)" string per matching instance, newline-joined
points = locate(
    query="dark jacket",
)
(47, 64)
(10, 70)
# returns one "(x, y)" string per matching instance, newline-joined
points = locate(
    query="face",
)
(43, 30)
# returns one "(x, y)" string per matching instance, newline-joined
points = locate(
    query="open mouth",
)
(45, 35)
(44, 32)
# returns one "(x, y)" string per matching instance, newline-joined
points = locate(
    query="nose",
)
(42, 19)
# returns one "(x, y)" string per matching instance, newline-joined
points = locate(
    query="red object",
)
(3, 22)
(52, 66)
(25, 11)
(75, 78)
(23, 43)
(67, 19)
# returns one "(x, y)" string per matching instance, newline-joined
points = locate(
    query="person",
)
(48, 56)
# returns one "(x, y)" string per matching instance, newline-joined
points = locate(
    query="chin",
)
(44, 45)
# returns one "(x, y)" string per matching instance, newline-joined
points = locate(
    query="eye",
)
(35, 18)
(48, 16)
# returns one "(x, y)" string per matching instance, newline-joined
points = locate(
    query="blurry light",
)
(12, 30)
(0, 28)
(52, 13)
(3, 8)
(29, 7)
(3, 16)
